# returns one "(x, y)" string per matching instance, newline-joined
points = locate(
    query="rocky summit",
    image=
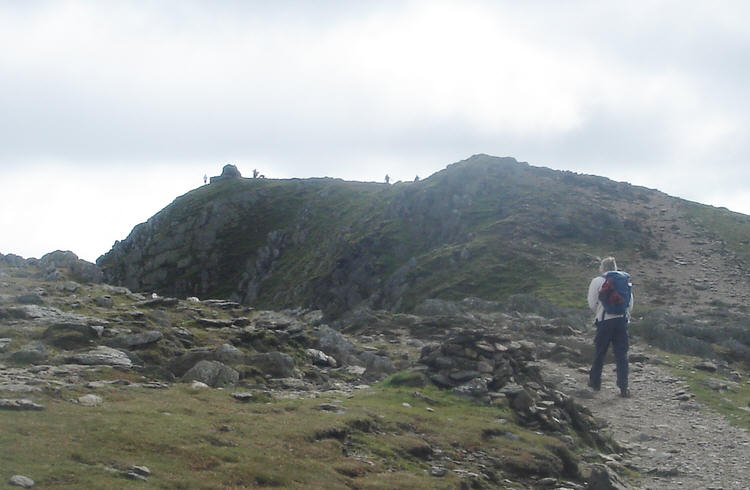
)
(327, 334)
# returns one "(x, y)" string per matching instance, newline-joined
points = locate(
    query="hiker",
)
(611, 298)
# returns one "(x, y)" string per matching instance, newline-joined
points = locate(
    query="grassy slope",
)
(177, 433)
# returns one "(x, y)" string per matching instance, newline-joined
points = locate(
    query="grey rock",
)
(214, 322)
(19, 388)
(132, 475)
(292, 384)
(156, 386)
(33, 352)
(158, 301)
(103, 356)
(377, 366)
(183, 334)
(276, 364)
(213, 373)
(437, 307)
(602, 479)
(229, 172)
(141, 470)
(442, 380)
(104, 301)
(90, 400)
(707, 366)
(4, 343)
(633, 358)
(13, 260)
(355, 370)
(32, 312)
(475, 388)
(79, 269)
(30, 299)
(21, 481)
(135, 340)
(330, 407)
(181, 364)
(71, 333)
(462, 376)
(229, 354)
(521, 401)
(225, 353)
(68, 286)
(719, 384)
(19, 404)
(320, 358)
(243, 396)
(222, 303)
(335, 344)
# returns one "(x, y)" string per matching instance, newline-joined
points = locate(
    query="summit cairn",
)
(228, 172)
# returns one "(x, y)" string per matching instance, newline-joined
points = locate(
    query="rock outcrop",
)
(227, 173)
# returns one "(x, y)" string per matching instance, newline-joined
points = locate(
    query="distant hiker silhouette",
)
(387, 179)
(610, 297)
(205, 179)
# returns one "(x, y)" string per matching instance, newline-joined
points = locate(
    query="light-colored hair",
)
(608, 264)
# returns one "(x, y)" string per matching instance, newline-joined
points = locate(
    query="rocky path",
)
(699, 264)
(675, 442)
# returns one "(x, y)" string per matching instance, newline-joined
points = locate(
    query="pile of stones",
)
(492, 368)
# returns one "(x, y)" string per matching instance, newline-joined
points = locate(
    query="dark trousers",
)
(615, 331)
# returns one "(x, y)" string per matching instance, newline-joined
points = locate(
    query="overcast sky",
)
(111, 109)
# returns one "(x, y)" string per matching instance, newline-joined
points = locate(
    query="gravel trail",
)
(674, 441)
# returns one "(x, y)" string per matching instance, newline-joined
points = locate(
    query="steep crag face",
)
(485, 227)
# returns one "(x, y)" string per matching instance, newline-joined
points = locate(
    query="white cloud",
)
(637, 91)
(59, 206)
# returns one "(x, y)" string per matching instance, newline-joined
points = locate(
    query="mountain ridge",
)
(486, 226)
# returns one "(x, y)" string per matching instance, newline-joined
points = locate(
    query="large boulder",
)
(336, 344)
(182, 364)
(229, 354)
(228, 172)
(212, 373)
(275, 364)
(79, 270)
(376, 366)
(12, 260)
(225, 353)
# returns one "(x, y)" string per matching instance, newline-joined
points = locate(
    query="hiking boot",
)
(624, 392)
(594, 387)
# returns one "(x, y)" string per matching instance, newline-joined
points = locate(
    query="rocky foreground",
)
(84, 343)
